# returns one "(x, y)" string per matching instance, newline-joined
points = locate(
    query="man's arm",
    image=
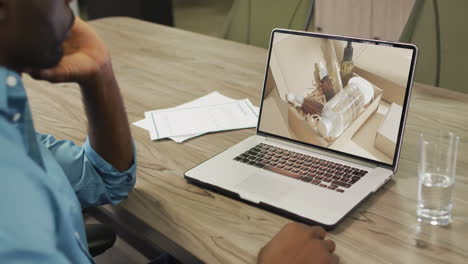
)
(94, 180)
(103, 170)
(87, 62)
(299, 244)
(108, 129)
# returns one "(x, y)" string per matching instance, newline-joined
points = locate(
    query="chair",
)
(439, 29)
(157, 11)
(251, 21)
(100, 238)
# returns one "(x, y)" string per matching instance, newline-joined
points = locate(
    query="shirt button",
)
(11, 81)
(16, 117)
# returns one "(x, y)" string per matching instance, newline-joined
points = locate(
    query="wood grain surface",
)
(160, 67)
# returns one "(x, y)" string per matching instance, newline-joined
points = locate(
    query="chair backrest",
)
(251, 21)
(421, 30)
(157, 11)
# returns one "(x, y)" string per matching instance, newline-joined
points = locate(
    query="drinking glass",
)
(437, 169)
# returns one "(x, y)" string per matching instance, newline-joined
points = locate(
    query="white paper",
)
(202, 119)
(210, 99)
(144, 123)
(214, 98)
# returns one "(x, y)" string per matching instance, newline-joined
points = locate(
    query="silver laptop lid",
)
(348, 96)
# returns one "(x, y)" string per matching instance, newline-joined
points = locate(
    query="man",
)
(45, 182)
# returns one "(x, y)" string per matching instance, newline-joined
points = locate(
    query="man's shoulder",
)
(21, 178)
(28, 207)
(9, 134)
(13, 156)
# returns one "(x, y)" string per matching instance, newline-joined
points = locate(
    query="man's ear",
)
(3, 10)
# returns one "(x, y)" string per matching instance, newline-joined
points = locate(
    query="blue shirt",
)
(45, 183)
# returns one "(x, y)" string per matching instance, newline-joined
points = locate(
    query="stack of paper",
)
(211, 113)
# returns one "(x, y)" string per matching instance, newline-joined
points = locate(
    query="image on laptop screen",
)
(348, 96)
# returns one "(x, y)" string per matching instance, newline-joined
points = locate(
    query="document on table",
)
(214, 98)
(209, 99)
(202, 119)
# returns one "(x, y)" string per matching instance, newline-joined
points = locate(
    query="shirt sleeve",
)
(94, 180)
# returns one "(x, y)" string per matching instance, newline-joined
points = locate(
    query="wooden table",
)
(160, 67)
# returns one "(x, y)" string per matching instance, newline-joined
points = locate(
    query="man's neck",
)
(8, 62)
(5, 66)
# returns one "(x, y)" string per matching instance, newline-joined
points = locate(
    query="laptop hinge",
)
(325, 153)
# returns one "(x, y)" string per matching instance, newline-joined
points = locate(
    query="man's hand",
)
(85, 58)
(86, 61)
(298, 243)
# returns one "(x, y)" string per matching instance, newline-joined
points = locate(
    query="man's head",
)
(32, 32)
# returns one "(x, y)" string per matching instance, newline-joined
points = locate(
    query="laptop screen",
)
(341, 94)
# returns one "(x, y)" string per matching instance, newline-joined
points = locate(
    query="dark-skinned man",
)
(45, 182)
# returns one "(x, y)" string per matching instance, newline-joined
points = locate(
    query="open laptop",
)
(292, 166)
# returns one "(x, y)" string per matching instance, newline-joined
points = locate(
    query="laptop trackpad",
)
(262, 187)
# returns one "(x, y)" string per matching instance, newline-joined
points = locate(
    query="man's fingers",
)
(318, 232)
(334, 259)
(329, 245)
(51, 75)
(58, 74)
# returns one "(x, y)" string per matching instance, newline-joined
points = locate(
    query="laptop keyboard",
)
(323, 173)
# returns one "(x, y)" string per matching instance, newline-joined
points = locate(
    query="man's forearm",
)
(109, 132)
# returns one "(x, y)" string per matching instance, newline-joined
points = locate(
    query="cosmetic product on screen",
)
(345, 107)
(307, 105)
(325, 82)
(295, 100)
(347, 64)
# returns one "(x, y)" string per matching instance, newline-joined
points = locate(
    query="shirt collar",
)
(10, 86)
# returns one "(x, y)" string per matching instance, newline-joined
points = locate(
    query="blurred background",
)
(438, 27)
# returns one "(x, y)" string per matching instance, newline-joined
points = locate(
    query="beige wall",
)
(294, 63)
(390, 63)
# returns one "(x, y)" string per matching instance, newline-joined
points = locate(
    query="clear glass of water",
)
(437, 169)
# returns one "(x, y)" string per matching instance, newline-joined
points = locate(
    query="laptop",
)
(330, 127)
